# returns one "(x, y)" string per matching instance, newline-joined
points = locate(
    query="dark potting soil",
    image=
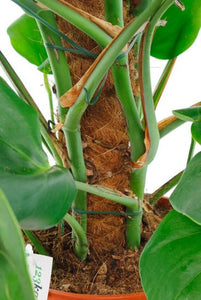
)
(113, 273)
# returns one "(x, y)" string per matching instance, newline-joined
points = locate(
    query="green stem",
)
(57, 58)
(47, 87)
(19, 86)
(110, 194)
(53, 145)
(124, 93)
(153, 198)
(72, 123)
(114, 12)
(82, 23)
(167, 127)
(81, 246)
(24, 94)
(191, 150)
(76, 111)
(171, 123)
(75, 154)
(36, 242)
(121, 77)
(138, 177)
(151, 126)
(136, 90)
(137, 183)
(163, 81)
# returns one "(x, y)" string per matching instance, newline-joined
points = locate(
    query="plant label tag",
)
(40, 269)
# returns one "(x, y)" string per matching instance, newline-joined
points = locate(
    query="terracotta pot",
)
(57, 295)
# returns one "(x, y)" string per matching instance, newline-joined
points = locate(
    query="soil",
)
(113, 273)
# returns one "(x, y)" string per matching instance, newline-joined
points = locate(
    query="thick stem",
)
(74, 146)
(81, 245)
(82, 23)
(151, 128)
(120, 71)
(124, 93)
(57, 58)
(133, 230)
(133, 233)
(114, 12)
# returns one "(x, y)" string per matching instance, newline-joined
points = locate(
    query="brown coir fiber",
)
(105, 142)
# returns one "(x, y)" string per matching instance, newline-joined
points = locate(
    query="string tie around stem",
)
(114, 213)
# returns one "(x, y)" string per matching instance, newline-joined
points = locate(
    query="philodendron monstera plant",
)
(40, 195)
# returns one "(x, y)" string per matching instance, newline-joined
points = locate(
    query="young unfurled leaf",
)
(15, 281)
(26, 39)
(170, 263)
(40, 195)
(186, 197)
(180, 31)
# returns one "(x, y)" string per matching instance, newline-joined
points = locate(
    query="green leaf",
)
(188, 114)
(26, 39)
(186, 197)
(170, 263)
(180, 31)
(196, 131)
(15, 281)
(40, 195)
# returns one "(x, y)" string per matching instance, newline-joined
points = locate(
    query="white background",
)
(183, 90)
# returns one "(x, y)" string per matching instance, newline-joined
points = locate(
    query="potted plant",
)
(103, 138)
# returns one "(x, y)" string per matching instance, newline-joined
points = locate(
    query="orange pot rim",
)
(59, 295)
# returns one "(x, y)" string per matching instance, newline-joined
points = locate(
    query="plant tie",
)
(95, 99)
(80, 49)
(114, 213)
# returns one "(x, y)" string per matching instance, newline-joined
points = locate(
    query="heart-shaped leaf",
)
(180, 31)
(15, 281)
(170, 263)
(186, 198)
(26, 39)
(40, 195)
(188, 114)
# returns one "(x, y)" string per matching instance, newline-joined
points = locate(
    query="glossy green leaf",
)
(15, 281)
(186, 198)
(40, 195)
(170, 263)
(188, 114)
(180, 31)
(26, 39)
(196, 131)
